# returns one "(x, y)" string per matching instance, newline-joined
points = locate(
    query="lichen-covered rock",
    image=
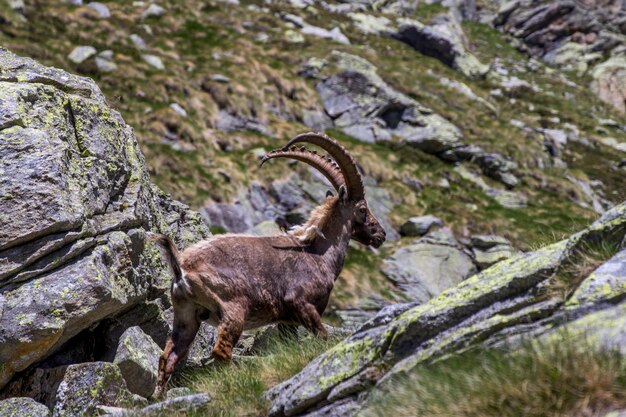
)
(605, 283)
(23, 407)
(75, 205)
(138, 359)
(495, 307)
(85, 386)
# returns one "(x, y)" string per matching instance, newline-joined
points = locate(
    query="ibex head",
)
(342, 172)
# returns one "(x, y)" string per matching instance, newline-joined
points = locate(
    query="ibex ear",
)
(342, 193)
(329, 194)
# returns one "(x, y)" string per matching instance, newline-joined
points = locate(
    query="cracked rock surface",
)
(76, 203)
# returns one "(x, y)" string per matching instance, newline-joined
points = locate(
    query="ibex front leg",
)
(186, 324)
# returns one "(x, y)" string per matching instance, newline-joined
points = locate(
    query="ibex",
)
(240, 282)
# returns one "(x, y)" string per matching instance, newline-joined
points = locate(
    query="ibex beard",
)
(239, 282)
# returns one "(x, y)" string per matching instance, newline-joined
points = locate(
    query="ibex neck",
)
(334, 245)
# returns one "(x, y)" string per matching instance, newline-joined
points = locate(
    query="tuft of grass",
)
(584, 261)
(556, 380)
(236, 389)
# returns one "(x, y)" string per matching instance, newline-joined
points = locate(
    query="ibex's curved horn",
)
(346, 163)
(322, 163)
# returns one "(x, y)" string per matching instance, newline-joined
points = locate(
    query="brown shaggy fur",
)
(238, 282)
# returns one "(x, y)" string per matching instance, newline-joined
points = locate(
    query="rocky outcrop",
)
(76, 205)
(364, 106)
(498, 306)
(574, 35)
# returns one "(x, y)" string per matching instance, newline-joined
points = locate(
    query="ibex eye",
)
(362, 209)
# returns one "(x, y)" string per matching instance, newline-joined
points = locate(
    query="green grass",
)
(237, 389)
(560, 379)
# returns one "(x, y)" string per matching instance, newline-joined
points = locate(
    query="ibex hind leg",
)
(228, 332)
(185, 328)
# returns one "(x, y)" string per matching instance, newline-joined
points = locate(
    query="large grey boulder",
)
(138, 359)
(493, 307)
(75, 205)
(23, 407)
(444, 40)
(425, 268)
(609, 82)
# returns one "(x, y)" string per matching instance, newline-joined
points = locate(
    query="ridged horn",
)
(351, 175)
(322, 163)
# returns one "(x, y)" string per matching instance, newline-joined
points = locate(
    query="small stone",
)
(220, 78)
(293, 36)
(443, 183)
(104, 65)
(490, 249)
(74, 2)
(22, 407)
(334, 34)
(262, 37)
(104, 61)
(102, 9)
(154, 10)
(153, 61)
(138, 42)
(81, 53)
(17, 5)
(138, 359)
(419, 226)
(488, 241)
(609, 123)
(178, 109)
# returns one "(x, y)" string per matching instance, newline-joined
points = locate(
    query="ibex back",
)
(238, 282)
